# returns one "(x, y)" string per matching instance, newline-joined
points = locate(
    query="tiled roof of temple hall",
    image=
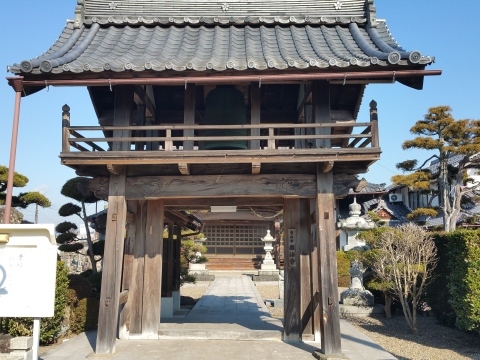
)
(116, 36)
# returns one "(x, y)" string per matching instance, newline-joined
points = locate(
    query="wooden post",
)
(152, 283)
(306, 298)
(135, 293)
(189, 115)
(115, 232)
(65, 126)
(321, 111)
(255, 104)
(315, 281)
(178, 244)
(128, 259)
(292, 317)
(112, 265)
(169, 256)
(140, 120)
(374, 121)
(326, 242)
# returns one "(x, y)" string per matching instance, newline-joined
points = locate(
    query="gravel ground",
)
(432, 342)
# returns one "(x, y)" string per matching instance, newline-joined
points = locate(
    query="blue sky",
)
(440, 28)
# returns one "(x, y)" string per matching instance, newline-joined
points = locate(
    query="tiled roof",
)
(98, 48)
(454, 161)
(148, 12)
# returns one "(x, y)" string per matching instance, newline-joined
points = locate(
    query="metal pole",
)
(13, 150)
(36, 338)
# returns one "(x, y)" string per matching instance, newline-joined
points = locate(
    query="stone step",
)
(210, 334)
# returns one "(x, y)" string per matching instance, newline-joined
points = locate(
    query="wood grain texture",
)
(321, 111)
(152, 282)
(155, 187)
(135, 299)
(128, 259)
(315, 273)
(306, 298)
(255, 114)
(112, 266)
(326, 238)
(292, 316)
(189, 115)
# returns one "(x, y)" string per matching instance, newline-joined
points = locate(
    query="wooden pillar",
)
(305, 243)
(189, 115)
(128, 260)
(112, 265)
(374, 121)
(169, 261)
(115, 232)
(326, 242)
(321, 111)
(152, 282)
(255, 103)
(178, 244)
(315, 272)
(135, 294)
(292, 317)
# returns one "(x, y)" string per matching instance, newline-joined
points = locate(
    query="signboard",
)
(292, 236)
(28, 257)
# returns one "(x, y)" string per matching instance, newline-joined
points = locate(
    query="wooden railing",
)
(171, 137)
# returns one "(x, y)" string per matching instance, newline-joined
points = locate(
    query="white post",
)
(36, 338)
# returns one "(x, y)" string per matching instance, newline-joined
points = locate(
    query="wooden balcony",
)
(180, 146)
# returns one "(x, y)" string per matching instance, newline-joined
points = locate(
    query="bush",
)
(81, 286)
(84, 316)
(464, 278)
(49, 327)
(343, 269)
(96, 280)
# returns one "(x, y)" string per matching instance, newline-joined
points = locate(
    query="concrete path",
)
(230, 322)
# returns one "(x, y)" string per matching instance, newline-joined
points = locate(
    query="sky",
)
(441, 28)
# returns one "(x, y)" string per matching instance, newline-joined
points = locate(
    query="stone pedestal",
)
(200, 272)
(356, 295)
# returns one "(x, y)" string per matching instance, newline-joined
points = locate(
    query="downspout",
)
(17, 84)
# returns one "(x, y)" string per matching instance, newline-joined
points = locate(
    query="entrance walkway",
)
(229, 313)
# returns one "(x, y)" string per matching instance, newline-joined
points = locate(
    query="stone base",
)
(362, 311)
(274, 302)
(269, 267)
(321, 356)
(265, 277)
(204, 277)
(357, 297)
(166, 307)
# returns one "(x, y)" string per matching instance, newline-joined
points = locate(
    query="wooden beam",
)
(112, 265)
(304, 247)
(256, 100)
(256, 168)
(170, 261)
(326, 243)
(152, 281)
(315, 272)
(292, 316)
(145, 98)
(184, 168)
(123, 297)
(114, 169)
(128, 259)
(123, 114)
(326, 166)
(135, 297)
(189, 114)
(321, 111)
(216, 186)
(234, 201)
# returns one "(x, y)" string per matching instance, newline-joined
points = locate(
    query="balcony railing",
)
(173, 138)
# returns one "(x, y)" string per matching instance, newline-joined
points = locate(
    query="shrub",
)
(343, 269)
(81, 286)
(84, 316)
(464, 278)
(49, 327)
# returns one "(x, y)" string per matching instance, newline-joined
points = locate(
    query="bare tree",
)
(406, 258)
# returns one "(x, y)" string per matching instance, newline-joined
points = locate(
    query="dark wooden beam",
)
(255, 114)
(135, 299)
(217, 186)
(292, 317)
(189, 114)
(304, 247)
(112, 265)
(326, 243)
(152, 282)
(321, 111)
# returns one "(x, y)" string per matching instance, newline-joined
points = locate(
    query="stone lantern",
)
(268, 263)
(353, 225)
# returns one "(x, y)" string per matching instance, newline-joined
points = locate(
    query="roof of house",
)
(155, 36)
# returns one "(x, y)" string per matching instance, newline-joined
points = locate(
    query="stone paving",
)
(229, 321)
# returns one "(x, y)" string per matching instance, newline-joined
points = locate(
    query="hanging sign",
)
(291, 239)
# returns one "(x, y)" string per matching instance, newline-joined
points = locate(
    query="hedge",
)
(455, 293)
